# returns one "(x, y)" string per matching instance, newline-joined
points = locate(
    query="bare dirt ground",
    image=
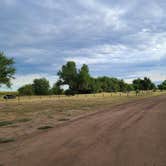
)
(130, 134)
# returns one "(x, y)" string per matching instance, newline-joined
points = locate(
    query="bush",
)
(41, 86)
(26, 90)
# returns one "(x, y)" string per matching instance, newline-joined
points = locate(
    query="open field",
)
(121, 131)
(31, 114)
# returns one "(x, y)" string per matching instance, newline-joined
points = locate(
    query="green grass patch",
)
(63, 119)
(6, 140)
(45, 127)
(5, 123)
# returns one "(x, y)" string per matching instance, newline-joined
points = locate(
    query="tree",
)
(56, 89)
(143, 84)
(26, 90)
(129, 88)
(68, 75)
(83, 79)
(7, 70)
(41, 86)
(162, 86)
(147, 84)
(137, 84)
(122, 86)
(95, 86)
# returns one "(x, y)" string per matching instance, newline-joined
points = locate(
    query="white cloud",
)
(92, 31)
(21, 80)
(120, 53)
(155, 76)
(111, 16)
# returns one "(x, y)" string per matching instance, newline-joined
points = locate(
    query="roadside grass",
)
(21, 118)
(14, 112)
(6, 140)
(63, 119)
(44, 127)
(8, 123)
(5, 123)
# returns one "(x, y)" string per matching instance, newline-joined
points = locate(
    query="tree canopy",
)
(80, 81)
(143, 84)
(26, 90)
(162, 86)
(68, 75)
(7, 70)
(56, 89)
(41, 86)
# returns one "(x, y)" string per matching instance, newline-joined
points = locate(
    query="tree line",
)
(79, 81)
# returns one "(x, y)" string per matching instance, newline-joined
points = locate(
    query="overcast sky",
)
(119, 38)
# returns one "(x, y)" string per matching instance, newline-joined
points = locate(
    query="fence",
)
(80, 96)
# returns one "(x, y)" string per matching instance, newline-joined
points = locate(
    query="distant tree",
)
(122, 86)
(7, 70)
(56, 89)
(80, 81)
(137, 84)
(114, 85)
(147, 84)
(26, 90)
(41, 86)
(68, 75)
(143, 84)
(162, 86)
(95, 85)
(108, 84)
(129, 87)
(104, 83)
(83, 79)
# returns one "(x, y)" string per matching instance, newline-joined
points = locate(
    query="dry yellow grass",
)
(26, 115)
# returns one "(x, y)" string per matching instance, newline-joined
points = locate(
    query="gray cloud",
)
(42, 35)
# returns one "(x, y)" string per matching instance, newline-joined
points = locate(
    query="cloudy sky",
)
(119, 38)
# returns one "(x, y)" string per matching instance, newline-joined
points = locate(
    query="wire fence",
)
(78, 96)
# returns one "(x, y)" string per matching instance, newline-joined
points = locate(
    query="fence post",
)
(18, 99)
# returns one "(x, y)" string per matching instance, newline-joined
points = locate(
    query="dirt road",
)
(132, 134)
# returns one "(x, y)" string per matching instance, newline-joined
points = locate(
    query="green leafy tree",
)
(83, 79)
(147, 84)
(7, 70)
(56, 89)
(129, 87)
(122, 86)
(162, 86)
(26, 90)
(68, 75)
(41, 86)
(95, 86)
(137, 84)
(143, 84)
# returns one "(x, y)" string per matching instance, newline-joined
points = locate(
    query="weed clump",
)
(44, 127)
(6, 140)
(5, 123)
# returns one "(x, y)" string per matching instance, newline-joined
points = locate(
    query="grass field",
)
(26, 115)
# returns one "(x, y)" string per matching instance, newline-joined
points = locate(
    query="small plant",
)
(45, 127)
(6, 140)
